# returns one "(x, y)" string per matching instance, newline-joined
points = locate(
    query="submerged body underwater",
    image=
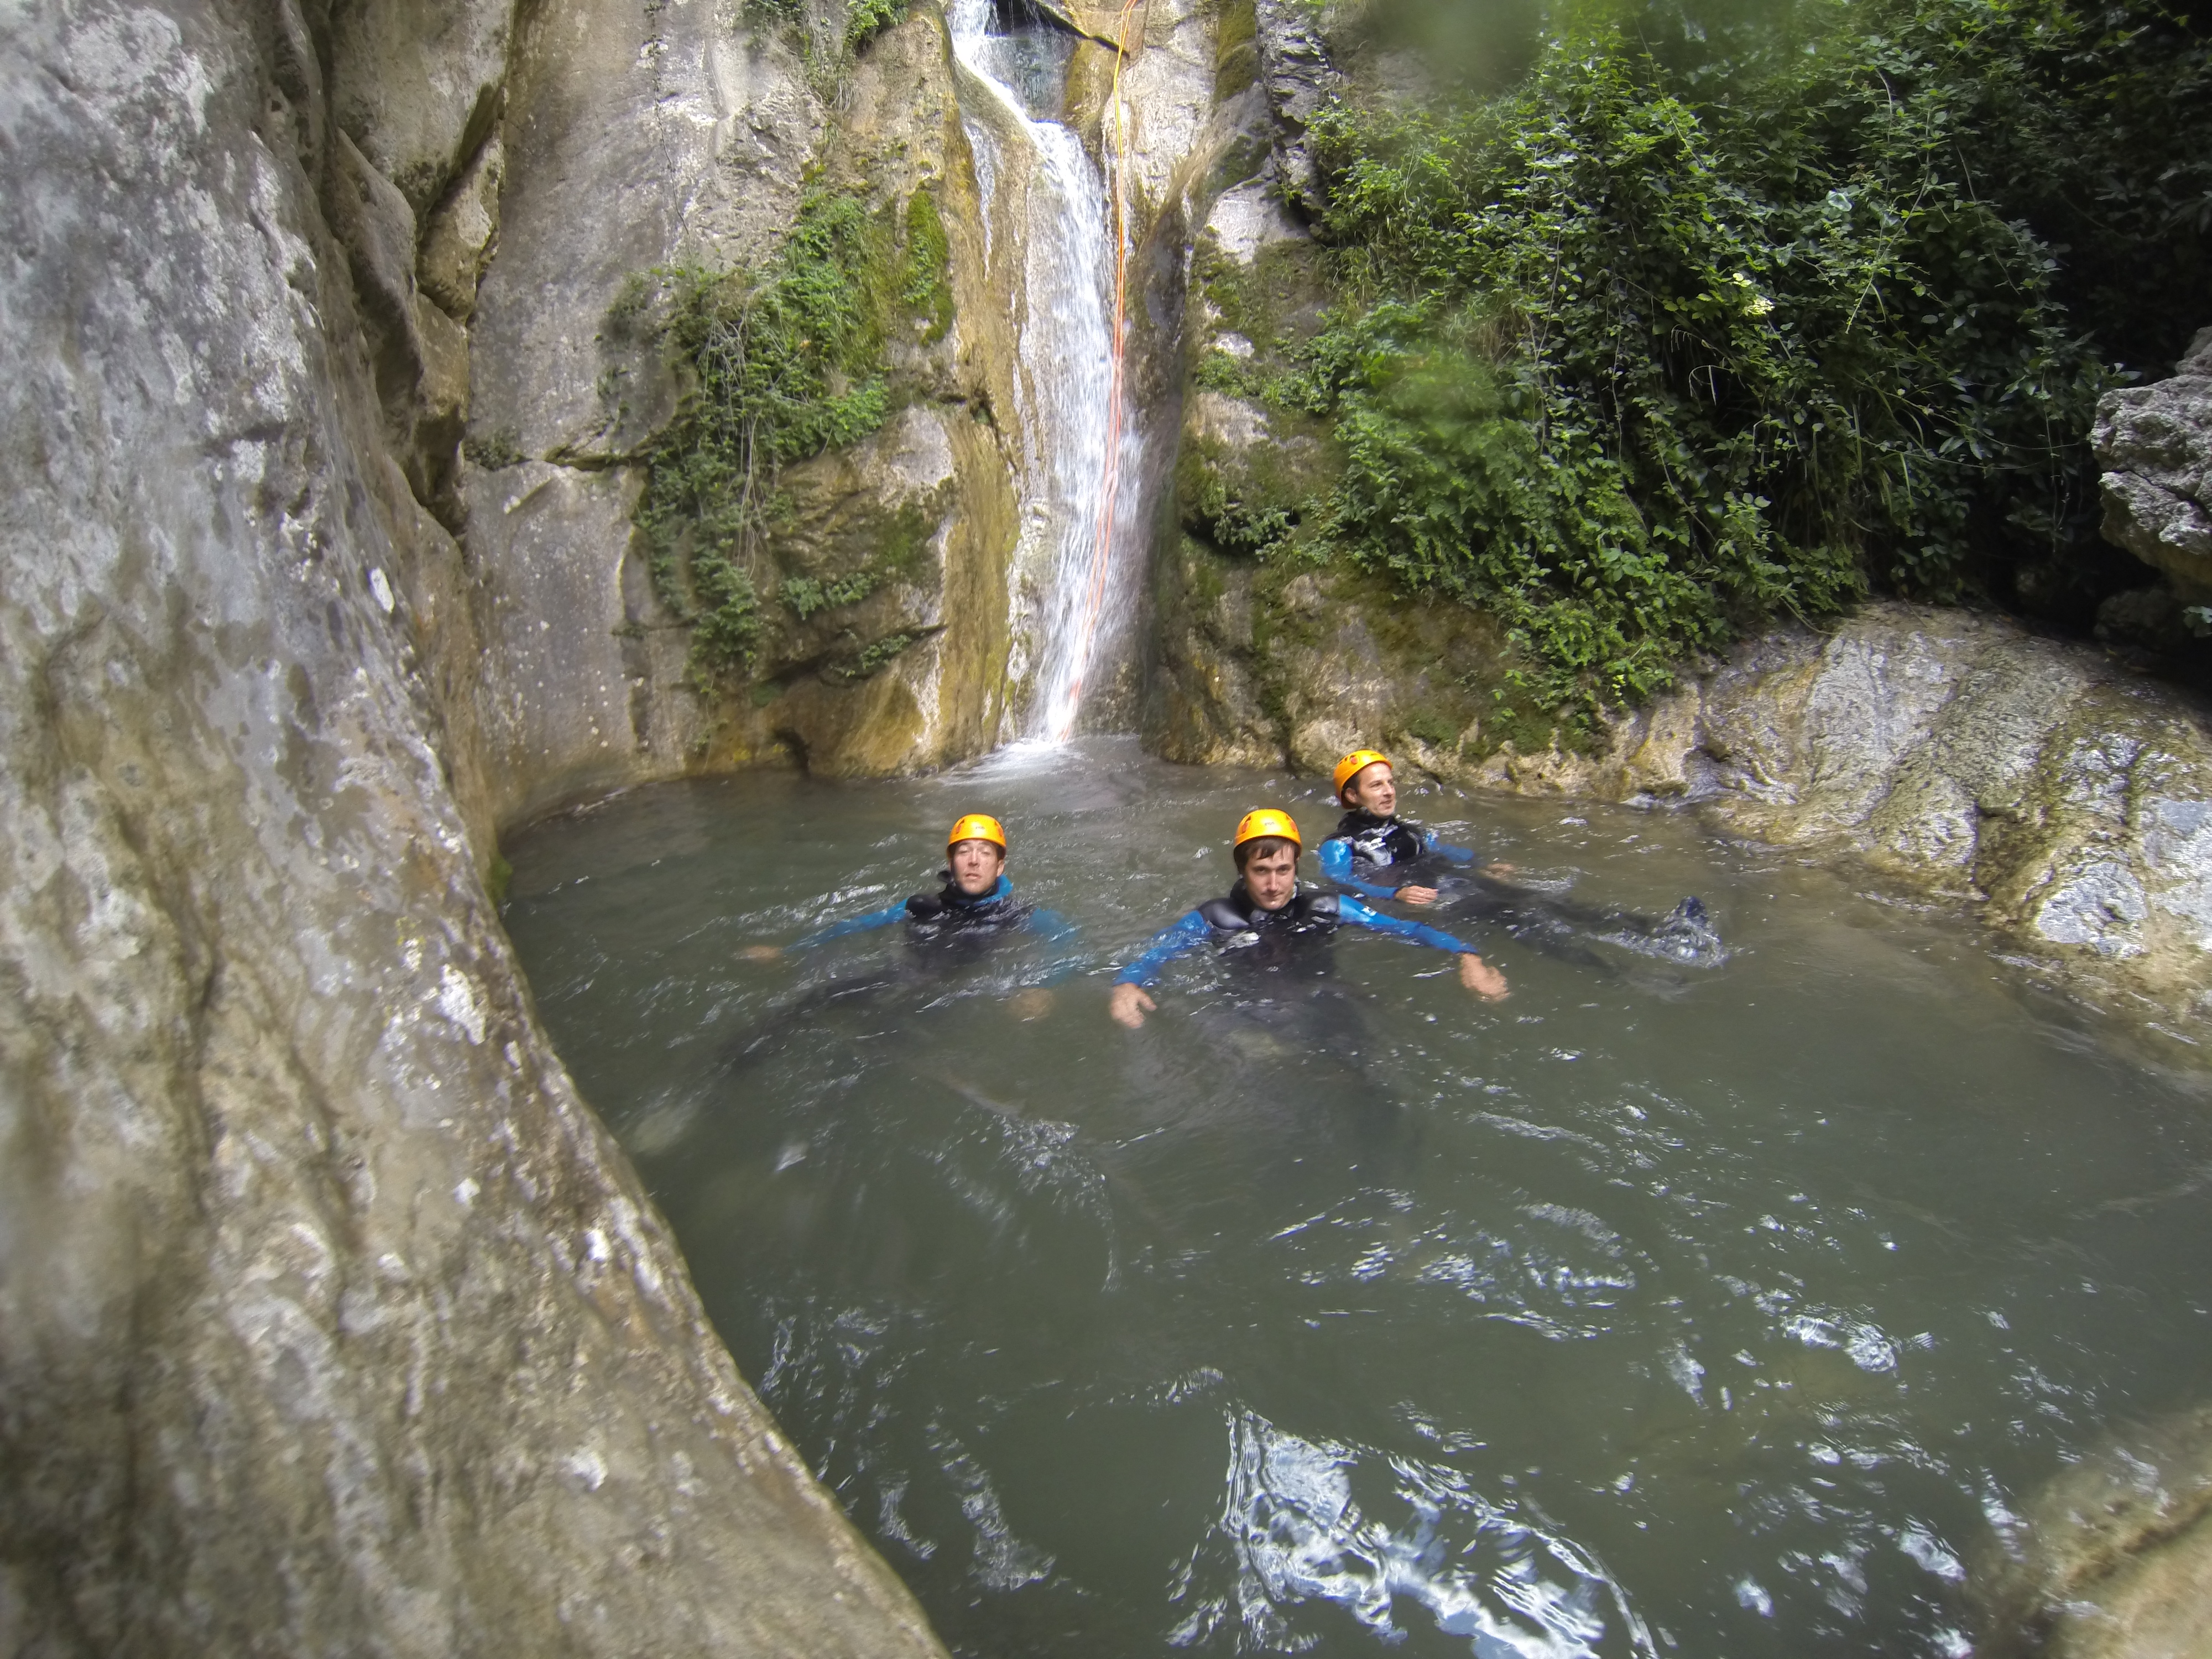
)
(1727, 1303)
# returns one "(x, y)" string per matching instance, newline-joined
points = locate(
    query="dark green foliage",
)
(868, 18)
(1680, 335)
(873, 660)
(780, 365)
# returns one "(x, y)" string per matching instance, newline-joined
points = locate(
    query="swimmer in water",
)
(1375, 853)
(1271, 924)
(973, 910)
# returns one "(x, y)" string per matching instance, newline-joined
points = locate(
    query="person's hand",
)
(1129, 1005)
(1032, 1003)
(1499, 868)
(762, 952)
(1484, 981)
(1417, 895)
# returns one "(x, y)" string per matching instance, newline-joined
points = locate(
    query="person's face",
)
(976, 866)
(1372, 789)
(1272, 876)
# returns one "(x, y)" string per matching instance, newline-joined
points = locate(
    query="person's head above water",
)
(1267, 851)
(975, 853)
(1364, 779)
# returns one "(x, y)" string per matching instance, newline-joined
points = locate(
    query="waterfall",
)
(1075, 591)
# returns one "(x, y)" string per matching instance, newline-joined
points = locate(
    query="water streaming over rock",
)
(1074, 600)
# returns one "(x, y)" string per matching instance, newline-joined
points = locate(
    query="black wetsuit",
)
(1378, 856)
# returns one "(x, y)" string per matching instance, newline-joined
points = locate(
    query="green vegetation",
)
(830, 36)
(780, 364)
(929, 290)
(1708, 320)
(868, 18)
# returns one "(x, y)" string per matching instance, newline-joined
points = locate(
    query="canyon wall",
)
(331, 1320)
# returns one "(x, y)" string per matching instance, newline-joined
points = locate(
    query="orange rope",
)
(1102, 545)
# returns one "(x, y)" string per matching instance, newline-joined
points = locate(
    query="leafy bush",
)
(781, 364)
(869, 18)
(1699, 325)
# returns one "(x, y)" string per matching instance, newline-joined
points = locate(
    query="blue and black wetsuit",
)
(1258, 940)
(950, 916)
(945, 931)
(1377, 856)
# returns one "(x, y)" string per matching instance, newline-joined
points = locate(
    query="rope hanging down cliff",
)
(1102, 543)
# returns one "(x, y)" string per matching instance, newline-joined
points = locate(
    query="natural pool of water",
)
(1652, 1310)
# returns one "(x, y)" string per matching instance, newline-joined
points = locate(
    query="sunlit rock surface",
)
(331, 1320)
(2113, 1558)
(2155, 444)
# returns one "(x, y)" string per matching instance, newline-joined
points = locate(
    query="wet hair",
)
(1252, 849)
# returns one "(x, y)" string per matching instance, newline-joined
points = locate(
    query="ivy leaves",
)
(1669, 340)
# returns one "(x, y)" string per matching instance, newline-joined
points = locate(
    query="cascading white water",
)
(1073, 598)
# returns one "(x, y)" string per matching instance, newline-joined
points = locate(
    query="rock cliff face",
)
(331, 1320)
(2155, 443)
(641, 139)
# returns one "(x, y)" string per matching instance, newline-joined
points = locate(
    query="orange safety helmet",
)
(1262, 822)
(977, 826)
(1354, 764)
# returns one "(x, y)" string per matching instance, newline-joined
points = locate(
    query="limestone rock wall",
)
(2155, 444)
(331, 1320)
(641, 139)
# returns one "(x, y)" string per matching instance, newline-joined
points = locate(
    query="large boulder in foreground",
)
(331, 1320)
(2069, 797)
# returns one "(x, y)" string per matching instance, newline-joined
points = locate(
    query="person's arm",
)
(1058, 932)
(1450, 854)
(1478, 975)
(1127, 1002)
(874, 919)
(1336, 864)
(1359, 916)
(1049, 925)
(1164, 947)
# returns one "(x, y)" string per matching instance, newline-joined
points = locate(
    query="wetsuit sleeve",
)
(1336, 864)
(1058, 932)
(1189, 931)
(1359, 916)
(1448, 854)
(874, 919)
(1050, 925)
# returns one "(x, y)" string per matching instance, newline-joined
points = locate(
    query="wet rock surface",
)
(330, 1319)
(2112, 1558)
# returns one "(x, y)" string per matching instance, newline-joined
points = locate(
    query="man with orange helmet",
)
(1377, 852)
(974, 900)
(1270, 922)
(1372, 844)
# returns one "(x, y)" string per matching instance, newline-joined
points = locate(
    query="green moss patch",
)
(780, 364)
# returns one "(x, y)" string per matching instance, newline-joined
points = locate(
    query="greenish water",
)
(1653, 1310)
